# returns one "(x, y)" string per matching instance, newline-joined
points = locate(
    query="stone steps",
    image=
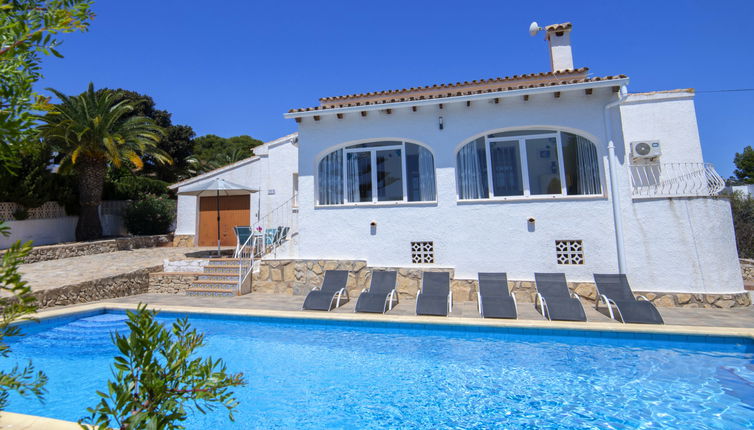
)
(218, 278)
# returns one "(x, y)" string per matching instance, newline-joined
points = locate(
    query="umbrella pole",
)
(217, 200)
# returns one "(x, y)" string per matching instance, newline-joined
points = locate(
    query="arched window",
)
(528, 163)
(385, 171)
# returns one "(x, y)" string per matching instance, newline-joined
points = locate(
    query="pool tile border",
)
(428, 322)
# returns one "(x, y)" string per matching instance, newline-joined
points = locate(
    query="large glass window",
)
(472, 170)
(359, 182)
(387, 171)
(506, 168)
(528, 163)
(543, 166)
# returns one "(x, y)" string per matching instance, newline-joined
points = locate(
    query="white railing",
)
(675, 180)
(268, 234)
(276, 228)
(245, 256)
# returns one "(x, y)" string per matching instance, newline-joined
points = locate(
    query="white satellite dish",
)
(534, 28)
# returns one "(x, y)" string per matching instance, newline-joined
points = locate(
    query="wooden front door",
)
(234, 210)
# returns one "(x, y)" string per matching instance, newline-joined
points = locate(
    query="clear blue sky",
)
(234, 67)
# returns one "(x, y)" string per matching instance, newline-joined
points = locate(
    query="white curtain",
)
(472, 181)
(352, 178)
(330, 179)
(589, 168)
(426, 175)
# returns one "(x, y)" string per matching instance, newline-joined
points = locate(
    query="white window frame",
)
(524, 166)
(373, 163)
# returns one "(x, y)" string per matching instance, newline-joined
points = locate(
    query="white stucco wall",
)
(494, 235)
(271, 169)
(681, 245)
(46, 231)
(667, 117)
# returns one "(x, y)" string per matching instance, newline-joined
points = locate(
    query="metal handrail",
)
(246, 260)
(281, 217)
(256, 246)
(675, 180)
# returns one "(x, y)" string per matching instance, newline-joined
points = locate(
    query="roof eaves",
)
(233, 165)
(618, 80)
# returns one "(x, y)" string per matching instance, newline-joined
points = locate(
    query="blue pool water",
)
(312, 375)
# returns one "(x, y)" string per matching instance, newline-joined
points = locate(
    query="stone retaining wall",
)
(183, 240)
(170, 283)
(77, 249)
(126, 284)
(747, 269)
(298, 277)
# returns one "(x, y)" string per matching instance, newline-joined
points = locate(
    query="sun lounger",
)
(435, 297)
(494, 299)
(332, 293)
(556, 301)
(381, 295)
(614, 291)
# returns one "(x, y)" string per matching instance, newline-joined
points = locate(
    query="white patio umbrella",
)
(216, 187)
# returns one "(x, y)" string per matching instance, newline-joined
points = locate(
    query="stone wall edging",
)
(171, 283)
(121, 285)
(747, 269)
(298, 277)
(78, 249)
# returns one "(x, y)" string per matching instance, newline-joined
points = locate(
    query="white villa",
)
(558, 171)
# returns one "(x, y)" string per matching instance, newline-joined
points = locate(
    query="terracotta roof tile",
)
(436, 91)
(559, 27)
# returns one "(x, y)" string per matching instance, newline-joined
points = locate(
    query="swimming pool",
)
(323, 374)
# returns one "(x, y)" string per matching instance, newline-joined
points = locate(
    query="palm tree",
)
(91, 131)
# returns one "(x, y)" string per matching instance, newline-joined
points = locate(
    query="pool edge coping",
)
(32, 422)
(413, 320)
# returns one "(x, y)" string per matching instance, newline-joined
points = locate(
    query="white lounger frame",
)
(610, 303)
(393, 295)
(450, 302)
(545, 311)
(336, 297)
(481, 309)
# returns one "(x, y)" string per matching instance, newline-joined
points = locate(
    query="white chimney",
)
(558, 37)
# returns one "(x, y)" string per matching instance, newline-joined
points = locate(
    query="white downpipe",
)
(614, 186)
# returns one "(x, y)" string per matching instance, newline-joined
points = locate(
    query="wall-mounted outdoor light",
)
(530, 224)
(373, 228)
(441, 123)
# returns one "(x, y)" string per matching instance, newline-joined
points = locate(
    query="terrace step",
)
(221, 283)
(193, 291)
(224, 262)
(221, 268)
(229, 276)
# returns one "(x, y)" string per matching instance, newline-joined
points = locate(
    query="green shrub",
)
(134, 188)
(159, 378)
(742, 207)
(21, 213)
(149, 215)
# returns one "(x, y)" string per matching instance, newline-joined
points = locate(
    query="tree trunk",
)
(91, 177)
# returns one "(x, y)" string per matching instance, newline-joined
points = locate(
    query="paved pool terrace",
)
(683, 320)
(56, 273)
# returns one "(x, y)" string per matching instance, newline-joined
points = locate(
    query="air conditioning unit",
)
(645, 149)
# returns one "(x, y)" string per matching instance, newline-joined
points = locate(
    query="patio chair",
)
(243, 233)
(435, 296)
(332, 292)
(556, 301)
(381, 294)
(614, 291)
(494, 299)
